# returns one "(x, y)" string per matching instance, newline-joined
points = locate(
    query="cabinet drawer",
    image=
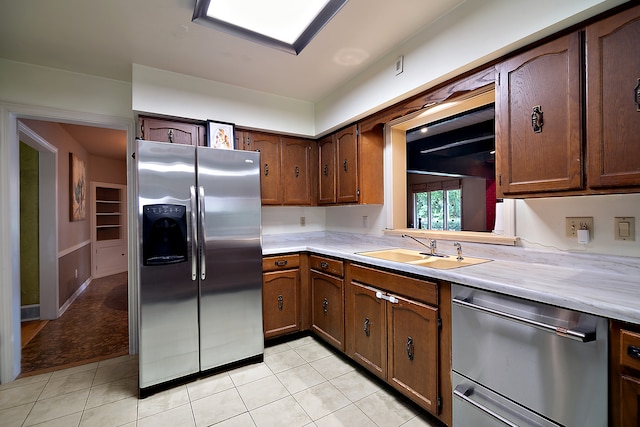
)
(630, 349)
(282, 262)
(326, 265)
(419, 289)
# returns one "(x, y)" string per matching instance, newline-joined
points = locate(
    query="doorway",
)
(10, 115)
(90, 316)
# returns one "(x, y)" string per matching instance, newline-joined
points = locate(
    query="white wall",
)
(47, 87)
(540, 223)
(164, 92)
(469, 36)
(349, 219)
(286, 219)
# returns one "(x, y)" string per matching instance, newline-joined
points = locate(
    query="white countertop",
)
(598, 284)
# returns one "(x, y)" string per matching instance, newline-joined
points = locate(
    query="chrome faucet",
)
(431, 246)
(459, 250)
(413, 238)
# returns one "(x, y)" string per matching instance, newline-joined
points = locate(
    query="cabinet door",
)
(327, 308)
(539, 119)
(613, 101)
(347, 165)
(327, 170)
(413, 351)
(280, 303)
(270, 175)
(366, 328)
(296, 171)
(170, 131)
(629, 405)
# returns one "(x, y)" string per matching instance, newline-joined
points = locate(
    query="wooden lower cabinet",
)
(367, 325)
(413, 351)
(625, 374)
(327, 308)
(280, 295)
(393, 335)
(327, 299)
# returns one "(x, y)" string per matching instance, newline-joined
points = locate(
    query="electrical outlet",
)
(303, 221)
(365, 221)
(575, 223)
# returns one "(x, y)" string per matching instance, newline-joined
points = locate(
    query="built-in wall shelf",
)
(109, 231)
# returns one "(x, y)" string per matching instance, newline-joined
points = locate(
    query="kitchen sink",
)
(413, 257)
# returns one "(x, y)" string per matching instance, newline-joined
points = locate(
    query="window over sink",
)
(400, 201)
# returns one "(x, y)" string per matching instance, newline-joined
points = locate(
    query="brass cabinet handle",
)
(297, 171)
(536, 119)
(281, 263)
(367, 323)
(326, 169)
(345, 165)
(633, 351)
(410, 348)
(636, 95)
(324, 265)
(266, 169)
(280, 302)
(170, 135)
(325, 306)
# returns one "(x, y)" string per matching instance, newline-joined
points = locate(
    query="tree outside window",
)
(438, 209)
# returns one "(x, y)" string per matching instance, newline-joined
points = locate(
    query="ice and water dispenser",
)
(164, 234)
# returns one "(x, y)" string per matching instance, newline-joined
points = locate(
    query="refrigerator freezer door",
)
(168, 296)
(231, 289)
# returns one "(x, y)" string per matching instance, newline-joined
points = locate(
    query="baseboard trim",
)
(29, 312)
(73, 297)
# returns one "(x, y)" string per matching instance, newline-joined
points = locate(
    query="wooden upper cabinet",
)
(153, 129)
(613, 100)
(270, 160)
(539, 119)
(327, 170)
(347, 165)
(296, 171)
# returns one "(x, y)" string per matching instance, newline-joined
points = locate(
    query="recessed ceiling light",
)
(288, 25)
(424, 130)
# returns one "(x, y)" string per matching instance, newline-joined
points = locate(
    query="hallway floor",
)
(300, 383)
(94, 328)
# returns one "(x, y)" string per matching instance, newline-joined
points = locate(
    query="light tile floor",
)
(300, 383)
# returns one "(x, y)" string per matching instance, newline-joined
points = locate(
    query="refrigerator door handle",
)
(203, 236)
(194, 234)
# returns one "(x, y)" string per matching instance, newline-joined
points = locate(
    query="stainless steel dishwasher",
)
(522, 363)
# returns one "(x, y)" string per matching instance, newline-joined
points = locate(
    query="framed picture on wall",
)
(77, 188)
(220, 135)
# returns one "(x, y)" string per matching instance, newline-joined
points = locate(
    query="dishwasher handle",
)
(463, 392)
(563, 332)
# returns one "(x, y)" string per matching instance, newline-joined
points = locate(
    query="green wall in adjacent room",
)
(29, 239)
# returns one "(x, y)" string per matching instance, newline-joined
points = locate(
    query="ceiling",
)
(105, 38)
(103, 142)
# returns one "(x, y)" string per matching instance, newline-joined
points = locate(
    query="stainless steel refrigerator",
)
(200, 272)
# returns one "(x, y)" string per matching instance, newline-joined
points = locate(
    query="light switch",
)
(625, 228)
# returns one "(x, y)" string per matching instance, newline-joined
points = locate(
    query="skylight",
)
(287, 25)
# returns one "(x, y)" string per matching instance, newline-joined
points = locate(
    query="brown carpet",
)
(94, 327)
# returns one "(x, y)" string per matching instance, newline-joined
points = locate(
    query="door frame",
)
(10, 341)
(47, 219)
